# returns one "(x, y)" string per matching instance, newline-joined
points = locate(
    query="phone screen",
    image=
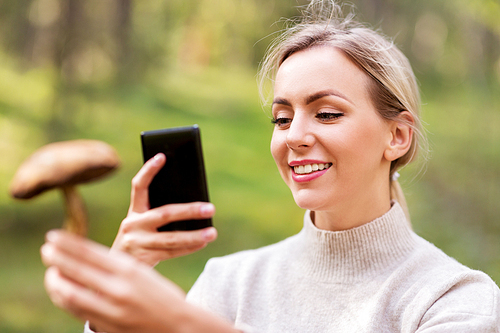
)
(182, 179)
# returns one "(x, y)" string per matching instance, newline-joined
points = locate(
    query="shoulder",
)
(430, 262)
(468, 300)
(431, 267)
(445, 292)
(224, 278)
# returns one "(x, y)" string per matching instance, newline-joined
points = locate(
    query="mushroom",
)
(64, 165)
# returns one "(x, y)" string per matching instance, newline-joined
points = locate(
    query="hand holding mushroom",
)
(76, 265)
(64, 165)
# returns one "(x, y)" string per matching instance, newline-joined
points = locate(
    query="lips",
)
(307, 170)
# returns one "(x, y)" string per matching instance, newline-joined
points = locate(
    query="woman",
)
(345, 109)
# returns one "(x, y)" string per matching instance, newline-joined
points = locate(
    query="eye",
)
(326, 116)
(281, 121)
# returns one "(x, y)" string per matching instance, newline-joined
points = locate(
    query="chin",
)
(310, 201)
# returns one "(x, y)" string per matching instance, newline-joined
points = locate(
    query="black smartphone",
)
(182, 179)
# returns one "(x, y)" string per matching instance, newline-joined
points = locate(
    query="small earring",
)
(395, 176)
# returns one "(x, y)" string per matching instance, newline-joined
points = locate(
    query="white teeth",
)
(305, 169)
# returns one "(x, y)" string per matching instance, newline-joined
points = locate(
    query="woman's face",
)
(329, 141)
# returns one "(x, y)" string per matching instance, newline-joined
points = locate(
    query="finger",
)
(83, 303)
(72, 265)
(157, 217)
(60, 290)
(121, 286)
(153, 257)
(179, 239)
(153, 248)
(174, 253)
(110, 274)
(67, 294)
(76, 254)
(139, 200)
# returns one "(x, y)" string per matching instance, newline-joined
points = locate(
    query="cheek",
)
(370, 142)
(279, 150)
(277, 144)
(359, 144)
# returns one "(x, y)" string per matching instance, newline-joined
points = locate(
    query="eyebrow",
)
(325, 93)
(282, 101)
(314, 97)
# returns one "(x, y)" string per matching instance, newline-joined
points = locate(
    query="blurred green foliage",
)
(109, 69)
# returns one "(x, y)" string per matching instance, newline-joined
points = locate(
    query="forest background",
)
(109, 69)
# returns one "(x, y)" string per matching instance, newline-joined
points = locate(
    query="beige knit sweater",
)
(379, 277)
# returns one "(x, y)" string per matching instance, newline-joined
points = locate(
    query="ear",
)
(401, 136)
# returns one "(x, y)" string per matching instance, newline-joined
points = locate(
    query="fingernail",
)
(157, 159)
(207, 209)
(209, 234)
(47, 250)
(51, 236)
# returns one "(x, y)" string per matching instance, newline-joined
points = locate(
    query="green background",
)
(107, 70)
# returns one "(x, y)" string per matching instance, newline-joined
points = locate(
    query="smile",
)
(310, 168)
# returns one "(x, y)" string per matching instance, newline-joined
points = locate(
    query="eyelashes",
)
(280, 121)
(322, 117)
(329, 115)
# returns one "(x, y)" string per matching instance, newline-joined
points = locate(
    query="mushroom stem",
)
(76, 214)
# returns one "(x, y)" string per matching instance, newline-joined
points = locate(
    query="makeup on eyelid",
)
(322, 116)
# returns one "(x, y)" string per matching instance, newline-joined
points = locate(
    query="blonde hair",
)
(393, 87)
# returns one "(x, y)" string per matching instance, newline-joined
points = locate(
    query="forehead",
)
(320, 68)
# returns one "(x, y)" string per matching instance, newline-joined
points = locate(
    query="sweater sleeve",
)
(472, 304)
(215, 291)
(210, 294)
(87, 329)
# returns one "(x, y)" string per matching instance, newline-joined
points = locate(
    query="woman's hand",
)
(138, 233)
(116, 292)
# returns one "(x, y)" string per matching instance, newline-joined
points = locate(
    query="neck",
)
(351, 216)
(349, 255)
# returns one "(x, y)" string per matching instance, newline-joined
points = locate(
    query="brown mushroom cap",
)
(62, 164)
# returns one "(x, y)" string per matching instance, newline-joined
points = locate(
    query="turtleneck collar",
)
(350, 255)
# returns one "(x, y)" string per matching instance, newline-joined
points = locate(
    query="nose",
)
(299, 134)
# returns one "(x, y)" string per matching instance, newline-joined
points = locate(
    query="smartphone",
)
(182, 179)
